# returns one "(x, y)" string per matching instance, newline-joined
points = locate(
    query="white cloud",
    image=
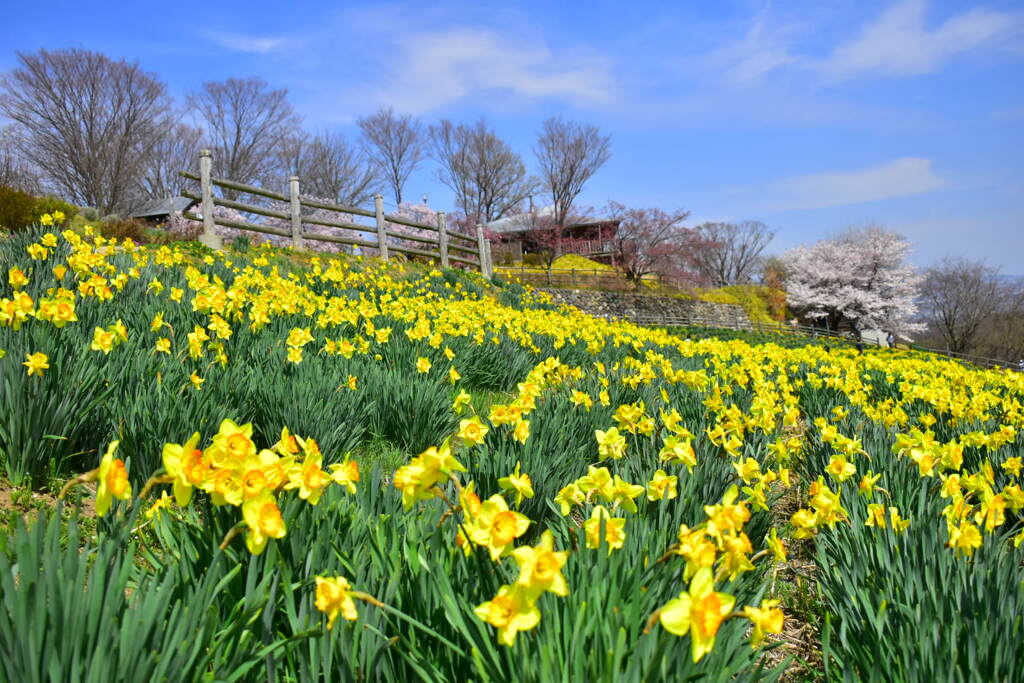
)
(899, 178)
(444, 66)
(900, 44)
(242, 43)
(762, 49)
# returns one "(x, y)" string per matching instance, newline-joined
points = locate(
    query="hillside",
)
(319, 467)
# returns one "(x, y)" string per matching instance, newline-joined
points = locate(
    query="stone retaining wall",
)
(651, 308)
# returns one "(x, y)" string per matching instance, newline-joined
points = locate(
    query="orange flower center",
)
(547, 567)
(707, 615)
(271, 523)
(238, 445)
(314, 477)
(503, 530)
(194, 467)
(117, 479)
(254, 482)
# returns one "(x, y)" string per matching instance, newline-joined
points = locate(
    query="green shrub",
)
(17, 210)
(534, 260)
(241, 243)
(120, 228)
(20, 210)
(53, 204)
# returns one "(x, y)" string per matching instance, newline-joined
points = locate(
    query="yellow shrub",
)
(761, 304)
(577, 262)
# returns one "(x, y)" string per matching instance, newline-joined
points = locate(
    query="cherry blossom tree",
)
(859, 278)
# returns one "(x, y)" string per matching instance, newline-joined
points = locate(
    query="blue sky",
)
(810, 116)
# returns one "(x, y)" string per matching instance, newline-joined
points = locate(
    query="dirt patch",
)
(794, 583)
(25, 503)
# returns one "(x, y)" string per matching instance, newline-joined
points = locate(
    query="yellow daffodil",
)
(699, 612)
(510, 611)
(518, 482)
(263, 517)
(767, 618)
(540, 567)
(614, 529)
(112, 481)
(36, 362)
(333, 597)
(472, 431)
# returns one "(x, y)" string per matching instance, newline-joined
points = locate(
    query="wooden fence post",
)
(490, 260)
(442, 241)
(209, 237)
(296, 211)
(382, 233)
(481, 244)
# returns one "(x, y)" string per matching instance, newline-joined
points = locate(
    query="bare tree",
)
(330, 168)
(1002, 333)
(87, 122)
(176, 149)
(569, 154)
(649, 241)
(396, 143)
(958, 296)
(730, 252)
(246, 121)
(15, 171)
(488, 178)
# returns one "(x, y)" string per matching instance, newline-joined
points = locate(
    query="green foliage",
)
(58, 416)
(411, 412)
(95, 615)
(51, 205)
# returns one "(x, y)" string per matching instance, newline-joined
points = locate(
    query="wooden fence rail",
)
(474, 251)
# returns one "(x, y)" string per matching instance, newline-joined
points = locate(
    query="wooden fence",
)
(442, 245)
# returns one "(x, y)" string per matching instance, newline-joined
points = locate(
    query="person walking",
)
(890, 339)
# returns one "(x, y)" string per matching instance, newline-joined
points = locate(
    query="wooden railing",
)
(439, 244)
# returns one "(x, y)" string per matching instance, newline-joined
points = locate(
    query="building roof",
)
(163, 207)
(521, 222)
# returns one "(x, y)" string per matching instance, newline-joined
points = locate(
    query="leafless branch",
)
(87, 122)
(488, 178)
(730, 252)
(958, 296)
(330, 168)
(396, 143)
(176, 149)
(246, 122)
(569, 154)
